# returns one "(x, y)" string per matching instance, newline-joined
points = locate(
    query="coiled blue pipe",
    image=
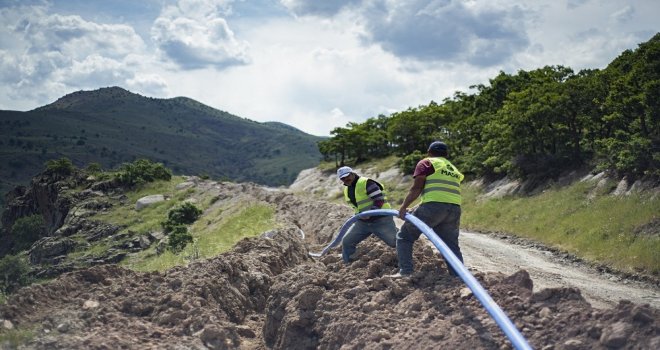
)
(484, 298)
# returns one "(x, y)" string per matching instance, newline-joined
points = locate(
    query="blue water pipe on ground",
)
(489, 304)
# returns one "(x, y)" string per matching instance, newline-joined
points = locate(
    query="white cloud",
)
(483, 34)
(149, 84)
(193, 34)
(624, 15)
(315, 65)
(47, 55)
(323, 8)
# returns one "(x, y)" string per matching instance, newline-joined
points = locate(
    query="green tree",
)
(26, 231)
(142, 171)
(631, 139)
(14, 273)
(185, 214)
(62, 166)
(178, 239)
(407, 164)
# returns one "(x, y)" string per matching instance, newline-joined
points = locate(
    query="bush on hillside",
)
(407, 164)
(94, 168)
(62, 166)
(142, 171)
(14, 273)
(27, 230)
(178, 239)
(185, 214)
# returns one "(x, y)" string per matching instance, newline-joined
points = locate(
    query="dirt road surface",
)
(547, 269)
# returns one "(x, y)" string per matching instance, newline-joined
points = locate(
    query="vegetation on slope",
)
(533, 124)
(111, 126)
(198, 219)
(584, 219)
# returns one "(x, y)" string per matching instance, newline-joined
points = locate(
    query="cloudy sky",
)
(312, 64)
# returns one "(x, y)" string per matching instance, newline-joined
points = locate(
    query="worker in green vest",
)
(438, 182)
(363, 194)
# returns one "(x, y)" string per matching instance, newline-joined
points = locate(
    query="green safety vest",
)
(444, 185)
(364, 202)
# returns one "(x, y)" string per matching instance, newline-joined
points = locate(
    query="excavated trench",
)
(267, 293)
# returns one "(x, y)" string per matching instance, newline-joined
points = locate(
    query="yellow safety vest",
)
(444, 185)
(364, 202)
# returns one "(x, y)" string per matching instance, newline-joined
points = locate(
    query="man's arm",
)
(376, 194)
(413, 193)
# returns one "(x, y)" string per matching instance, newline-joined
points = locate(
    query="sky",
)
(312, 64)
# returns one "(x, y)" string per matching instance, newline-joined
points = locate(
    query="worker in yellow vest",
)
(363, 194)
(438, 182)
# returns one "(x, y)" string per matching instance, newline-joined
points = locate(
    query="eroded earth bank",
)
(267, 293)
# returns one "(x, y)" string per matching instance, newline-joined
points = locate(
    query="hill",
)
(111, 126)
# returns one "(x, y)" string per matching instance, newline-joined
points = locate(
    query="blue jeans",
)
(383, 227)
(443, 218)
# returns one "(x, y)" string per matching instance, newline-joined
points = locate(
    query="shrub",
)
(186, 214)
(14, 273)
(62, 166)
(178, 239)
(27, 230)
(407, 164)
(142, 171)
(94, 168)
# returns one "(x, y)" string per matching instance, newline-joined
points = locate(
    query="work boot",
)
(398, 275)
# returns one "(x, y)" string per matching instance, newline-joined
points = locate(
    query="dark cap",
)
(438, 146)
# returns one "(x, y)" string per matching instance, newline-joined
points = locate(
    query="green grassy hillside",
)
(111, 126)
(584, 219)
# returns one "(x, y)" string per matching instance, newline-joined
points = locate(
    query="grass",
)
(214, 233)
(94, 250)
(12, 338)
(378, 165)
(149, 218)
(599, 228)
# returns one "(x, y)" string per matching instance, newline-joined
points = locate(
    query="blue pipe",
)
(489, 304)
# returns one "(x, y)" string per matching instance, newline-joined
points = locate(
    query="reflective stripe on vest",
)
(364, 202)
(444, 185)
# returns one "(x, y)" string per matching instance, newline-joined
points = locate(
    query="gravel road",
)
(487, 253)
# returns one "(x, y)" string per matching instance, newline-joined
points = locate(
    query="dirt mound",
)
(267, 293)
(212, 303)
(354, 307)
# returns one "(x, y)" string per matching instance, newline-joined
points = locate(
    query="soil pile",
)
(267, 293)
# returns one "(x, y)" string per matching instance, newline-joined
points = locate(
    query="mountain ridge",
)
(111, 126)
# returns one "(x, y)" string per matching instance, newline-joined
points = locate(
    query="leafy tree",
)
(631, 133)
(14, 273)
(142, 171)
(407, 164)
(178, 239)
(62, 166)
(534, 123)
(27, 230)
(185, 214)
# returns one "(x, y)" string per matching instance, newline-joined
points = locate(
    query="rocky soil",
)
(267, 293)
